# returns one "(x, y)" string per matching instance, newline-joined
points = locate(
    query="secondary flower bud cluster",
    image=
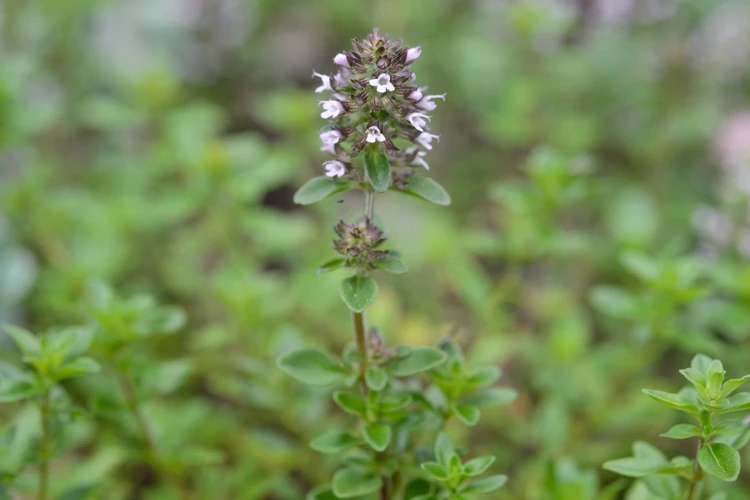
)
(373, 100)
(359, 243)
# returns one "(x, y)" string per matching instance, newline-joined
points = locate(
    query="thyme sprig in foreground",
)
(378, 135)
(719, 439)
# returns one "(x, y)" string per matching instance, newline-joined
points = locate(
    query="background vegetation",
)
(596, 153)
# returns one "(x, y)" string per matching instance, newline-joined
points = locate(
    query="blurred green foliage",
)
(156, 145)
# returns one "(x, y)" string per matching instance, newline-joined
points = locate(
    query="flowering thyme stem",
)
(43, 493)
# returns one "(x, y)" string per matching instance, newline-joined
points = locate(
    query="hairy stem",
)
(696, 477)
(44, 407)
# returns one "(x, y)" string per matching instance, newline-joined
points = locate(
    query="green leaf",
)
(329, 266)
(486, 485)
(334, 442)
(376, 378)
(358, 292)
(322, 493)
(492, 397)
(416, 361)
(715, 379)
(350, 403)
(16, 390)
(318, 188)
(312, 367)
(682, 431)
(393, 266)
(427, 189)
(646, 460)
(378, 170)
(720, 461)
(478, 465)
(349, 483)
(468, 414)
(483, 376)
(641, 265)
(729, 428)
(377, 435)
(435, 470)
(738, 402)
(672, 400)
(444, 451)
(700, 362)
(732, 385)
(694, 376)
(71, 341)
(76, 368)
(26, 341)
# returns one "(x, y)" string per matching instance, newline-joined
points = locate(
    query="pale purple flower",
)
(329, 148)
(326, 82)
(339, 80)
(374, 134)
(341, 60)
(413, 53)
(330, 137)
(418, 120)
(334, 168)
(418, 160)
(416, 95)
(383, 83)
(332, 109)
(425, 138)
(746, 421)
(427, 104)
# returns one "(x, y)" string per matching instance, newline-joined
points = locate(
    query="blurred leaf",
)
(349, 483)
(317, 189)
(313, 367)
(427, 189)
(377, 435)
(418, 360)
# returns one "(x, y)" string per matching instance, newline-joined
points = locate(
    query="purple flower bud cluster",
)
(373, 100)
(359, 243)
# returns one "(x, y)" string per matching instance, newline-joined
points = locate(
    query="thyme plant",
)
(718, 438)
(401, 397)
(56, 355)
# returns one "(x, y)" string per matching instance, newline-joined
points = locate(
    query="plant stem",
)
(692, 490)
(135, 408)
(359, 334)
(147, 434)
(44, 407)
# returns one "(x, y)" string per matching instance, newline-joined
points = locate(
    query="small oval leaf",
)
(720, 461)
(378, 170)
(358, 292)
(427, 189)
(318, 188)
(394, 266)
(377, 436)
(416, 361)
(329, 266)
(312, 367)
(348, 483)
